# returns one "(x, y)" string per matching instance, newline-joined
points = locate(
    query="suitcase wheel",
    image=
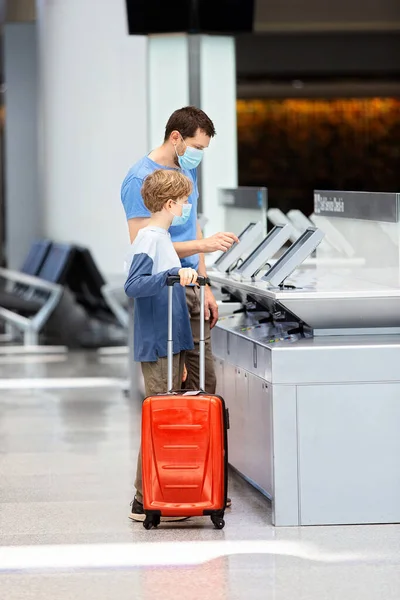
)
(151, 521)
(218, 522)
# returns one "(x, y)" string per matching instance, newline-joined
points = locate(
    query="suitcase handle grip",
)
(173, 279)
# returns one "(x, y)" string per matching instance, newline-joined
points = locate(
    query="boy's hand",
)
(187, 276)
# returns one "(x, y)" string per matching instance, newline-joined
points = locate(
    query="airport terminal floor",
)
(69, 439)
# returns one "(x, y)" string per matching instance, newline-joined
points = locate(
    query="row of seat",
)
(55, 274)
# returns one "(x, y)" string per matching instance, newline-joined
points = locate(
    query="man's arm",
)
(220, 241)
(202, 263)
(211, 306)
(135, 225)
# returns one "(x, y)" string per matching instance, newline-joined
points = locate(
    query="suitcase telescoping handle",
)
(171, 281)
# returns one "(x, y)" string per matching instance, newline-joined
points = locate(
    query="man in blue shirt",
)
(187, 134)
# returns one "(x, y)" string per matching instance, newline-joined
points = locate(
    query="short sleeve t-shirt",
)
(134, 206)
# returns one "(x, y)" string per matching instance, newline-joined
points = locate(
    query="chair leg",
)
(31, 338)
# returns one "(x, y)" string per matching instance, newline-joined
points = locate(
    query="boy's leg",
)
(156, 382)
(192, 357)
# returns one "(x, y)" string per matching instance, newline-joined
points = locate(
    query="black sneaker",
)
(228, 503)
(138, 514)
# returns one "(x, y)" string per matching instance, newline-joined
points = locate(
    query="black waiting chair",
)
(36, 257)
(29, 299)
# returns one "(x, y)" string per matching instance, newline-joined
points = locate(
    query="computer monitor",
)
(294, 256)
(240, 236)
(248, 240)
(270, 245)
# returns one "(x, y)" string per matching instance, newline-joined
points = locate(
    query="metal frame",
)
(31, 326)
(109, 291)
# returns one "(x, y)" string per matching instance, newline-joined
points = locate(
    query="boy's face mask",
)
(183, 218)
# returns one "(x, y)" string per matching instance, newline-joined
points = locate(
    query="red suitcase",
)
(184, 446)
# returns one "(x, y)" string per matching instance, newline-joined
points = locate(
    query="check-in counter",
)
(311, 377)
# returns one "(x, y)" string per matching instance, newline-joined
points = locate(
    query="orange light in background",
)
(292, 145)
(375, 106)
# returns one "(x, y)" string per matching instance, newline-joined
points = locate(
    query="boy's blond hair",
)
(163, 185)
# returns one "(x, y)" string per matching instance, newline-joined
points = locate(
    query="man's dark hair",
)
(187, 121)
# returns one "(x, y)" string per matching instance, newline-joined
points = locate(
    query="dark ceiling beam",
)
(262, 56)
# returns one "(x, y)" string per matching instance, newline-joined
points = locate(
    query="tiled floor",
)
(67, 460)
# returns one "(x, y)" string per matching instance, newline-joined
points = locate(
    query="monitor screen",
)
(248, 240)
(224, 255)
(294, 256)
(278, 236)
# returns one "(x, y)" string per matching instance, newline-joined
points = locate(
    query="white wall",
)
(93, 122)
(168, 87)
(23, 210)
(218, 99)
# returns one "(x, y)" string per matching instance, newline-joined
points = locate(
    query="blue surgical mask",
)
(182, 219)
(191, 158)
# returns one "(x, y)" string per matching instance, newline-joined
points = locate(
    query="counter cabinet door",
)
(238, 428)
(258, 434)
(231, 401)
(219, 374)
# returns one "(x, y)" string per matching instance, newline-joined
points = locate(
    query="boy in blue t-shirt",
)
(153, 259)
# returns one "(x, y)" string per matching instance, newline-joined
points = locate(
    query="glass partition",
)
(363, 232)
(244, 204)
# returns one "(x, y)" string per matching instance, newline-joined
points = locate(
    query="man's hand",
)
(219, 241)
(211, 307)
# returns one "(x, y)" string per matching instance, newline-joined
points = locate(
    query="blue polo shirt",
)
(134, 206)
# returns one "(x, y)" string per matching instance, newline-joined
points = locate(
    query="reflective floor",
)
(68, 443)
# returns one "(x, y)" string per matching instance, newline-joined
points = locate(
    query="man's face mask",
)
(191, 158)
